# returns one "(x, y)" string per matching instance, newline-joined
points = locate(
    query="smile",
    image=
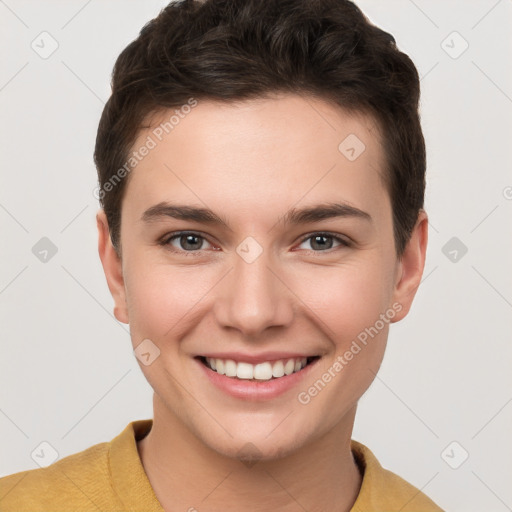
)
(264, 371)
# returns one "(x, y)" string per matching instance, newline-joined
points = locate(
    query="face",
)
(289, 258)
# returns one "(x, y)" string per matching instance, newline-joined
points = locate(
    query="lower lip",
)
(253, 389)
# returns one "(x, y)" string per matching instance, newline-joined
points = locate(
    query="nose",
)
(253, 297)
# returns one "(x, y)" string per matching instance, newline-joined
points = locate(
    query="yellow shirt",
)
(109, 477)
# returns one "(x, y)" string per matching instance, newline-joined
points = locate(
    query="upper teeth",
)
(260, 371)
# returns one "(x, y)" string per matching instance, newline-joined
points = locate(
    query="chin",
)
(251, 444)
(252, 451)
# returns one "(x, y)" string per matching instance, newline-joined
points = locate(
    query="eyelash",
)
(166, 240)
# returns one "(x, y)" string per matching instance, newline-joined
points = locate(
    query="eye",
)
(192, 242)
(324, 241)
(184, 241)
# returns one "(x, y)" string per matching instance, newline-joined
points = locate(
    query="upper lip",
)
(262, 357)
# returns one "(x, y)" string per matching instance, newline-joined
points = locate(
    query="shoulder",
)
(76, 481)
(382, 489)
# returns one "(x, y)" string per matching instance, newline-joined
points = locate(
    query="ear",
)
(410, 267)
(112, 266)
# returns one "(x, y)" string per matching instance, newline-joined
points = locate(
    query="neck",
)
(187, 475)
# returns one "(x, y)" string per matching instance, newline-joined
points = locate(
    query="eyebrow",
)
(293, 217)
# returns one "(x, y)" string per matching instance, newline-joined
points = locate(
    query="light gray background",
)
(68, 375)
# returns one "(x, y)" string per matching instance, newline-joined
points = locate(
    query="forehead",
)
(285, 118)
(277, 150)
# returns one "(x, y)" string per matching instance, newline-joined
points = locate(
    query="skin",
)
(251, 162)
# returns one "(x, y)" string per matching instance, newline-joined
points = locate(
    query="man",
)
(262, 172)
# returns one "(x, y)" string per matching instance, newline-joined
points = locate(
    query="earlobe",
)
(411, 266)
(112, 266)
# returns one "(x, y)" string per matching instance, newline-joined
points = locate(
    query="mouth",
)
(260, 372)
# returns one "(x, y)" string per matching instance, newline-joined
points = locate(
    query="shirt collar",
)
(129, 479)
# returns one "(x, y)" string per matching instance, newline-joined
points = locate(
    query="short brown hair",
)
(231, 50)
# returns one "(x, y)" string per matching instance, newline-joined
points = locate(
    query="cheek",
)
(347, 299)
(352, 303)
(163, 300)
